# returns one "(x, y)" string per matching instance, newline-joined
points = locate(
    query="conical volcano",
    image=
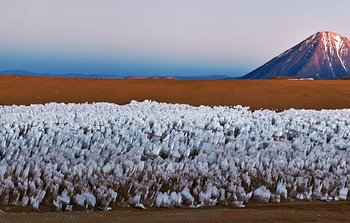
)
(322, 55)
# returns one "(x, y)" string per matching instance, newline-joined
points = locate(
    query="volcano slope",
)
(322, 55)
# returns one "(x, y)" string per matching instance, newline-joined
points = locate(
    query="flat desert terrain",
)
(267, 94)
(285, 212)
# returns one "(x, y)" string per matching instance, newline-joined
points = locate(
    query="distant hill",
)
(204, 77)
(151, 77)
(323, 55)
(29, 73)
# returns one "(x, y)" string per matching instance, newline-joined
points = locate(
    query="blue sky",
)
(158, 37)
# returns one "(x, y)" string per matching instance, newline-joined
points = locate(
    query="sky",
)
(158, 37)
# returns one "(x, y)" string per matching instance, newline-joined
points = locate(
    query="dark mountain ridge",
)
(76, 75)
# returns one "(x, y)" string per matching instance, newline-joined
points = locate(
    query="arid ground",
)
(322, 212)
(267, 94)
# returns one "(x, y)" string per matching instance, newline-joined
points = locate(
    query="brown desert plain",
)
(263, 94)
(257, 94)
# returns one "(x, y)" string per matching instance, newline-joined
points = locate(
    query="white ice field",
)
(152, 154)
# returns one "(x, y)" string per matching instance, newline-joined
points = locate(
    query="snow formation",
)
(162, 155)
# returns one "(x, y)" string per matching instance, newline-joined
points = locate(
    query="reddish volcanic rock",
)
(322, 55)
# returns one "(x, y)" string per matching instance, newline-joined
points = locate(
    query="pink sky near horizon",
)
(158, 36)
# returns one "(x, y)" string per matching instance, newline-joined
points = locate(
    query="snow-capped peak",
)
(323, 55)
(330, 40)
